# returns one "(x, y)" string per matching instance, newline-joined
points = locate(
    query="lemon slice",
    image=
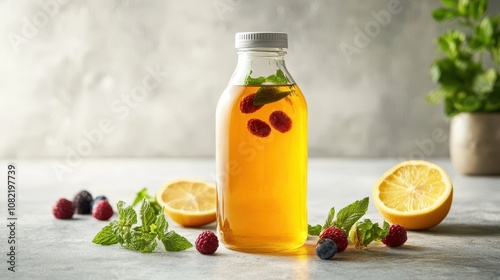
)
(188, 202)
(416, 194)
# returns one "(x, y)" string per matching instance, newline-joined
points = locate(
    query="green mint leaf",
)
(161, 225)
(351, 214)
(477, 8)
(385, 230)
(444, 14)
(467, 103)
(269, 94)
(106, 236)
(148, 216)
(156, 207)
(329, 219)
(438, 95)
(141, 241)
(484, 82)
(126, 214)
(365, 232)
(435, 72)
(485, 31)
(279, 79)
(143, 193)
(451, 42)
(463, 7)
(445, 72)
(174, 242)
(122, 233)
(449, 109)
(249, 81)
(314, 230)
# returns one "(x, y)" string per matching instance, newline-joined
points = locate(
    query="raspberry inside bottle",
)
(261, 150)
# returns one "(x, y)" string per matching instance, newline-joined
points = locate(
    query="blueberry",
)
(97, 199)
(326, 248)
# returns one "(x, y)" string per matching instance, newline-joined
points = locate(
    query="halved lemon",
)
(416, 194)
(188, 202)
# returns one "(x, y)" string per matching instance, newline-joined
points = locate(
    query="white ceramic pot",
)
(475, 143)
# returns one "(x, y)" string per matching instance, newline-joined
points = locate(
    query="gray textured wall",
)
(78, 66)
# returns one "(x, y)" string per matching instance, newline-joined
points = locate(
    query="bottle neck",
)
(259, 62)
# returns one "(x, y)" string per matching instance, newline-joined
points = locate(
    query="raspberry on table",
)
(97, 199)
(207, 243)
(338, 236)
(396, 237)
(63, 209)
(247, 106)
(258, 128)
(280, 121)
(82, 202)
(326, 248)
(102, 210)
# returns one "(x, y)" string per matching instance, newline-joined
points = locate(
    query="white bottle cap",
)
(261, 40)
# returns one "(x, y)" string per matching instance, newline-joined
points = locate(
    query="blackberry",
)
(82, 202)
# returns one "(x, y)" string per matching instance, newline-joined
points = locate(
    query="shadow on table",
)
(308, 249)
(351, 254)
(211, 226)
(465, 230)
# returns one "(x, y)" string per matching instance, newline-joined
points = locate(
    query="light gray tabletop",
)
(466, 245)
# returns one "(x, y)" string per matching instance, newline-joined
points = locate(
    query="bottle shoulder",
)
(252, 70)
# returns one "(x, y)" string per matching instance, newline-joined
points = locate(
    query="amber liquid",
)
(261, 181)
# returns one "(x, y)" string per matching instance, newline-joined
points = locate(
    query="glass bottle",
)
(261, 150)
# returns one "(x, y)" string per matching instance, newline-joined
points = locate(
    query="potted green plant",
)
(469, 84)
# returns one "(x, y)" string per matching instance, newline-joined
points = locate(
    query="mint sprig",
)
(143, 193)
(314, 230)
(269, 94)
(360, 233)
(346, 217)
(279, 79)
(141, 238)
(363, 233)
